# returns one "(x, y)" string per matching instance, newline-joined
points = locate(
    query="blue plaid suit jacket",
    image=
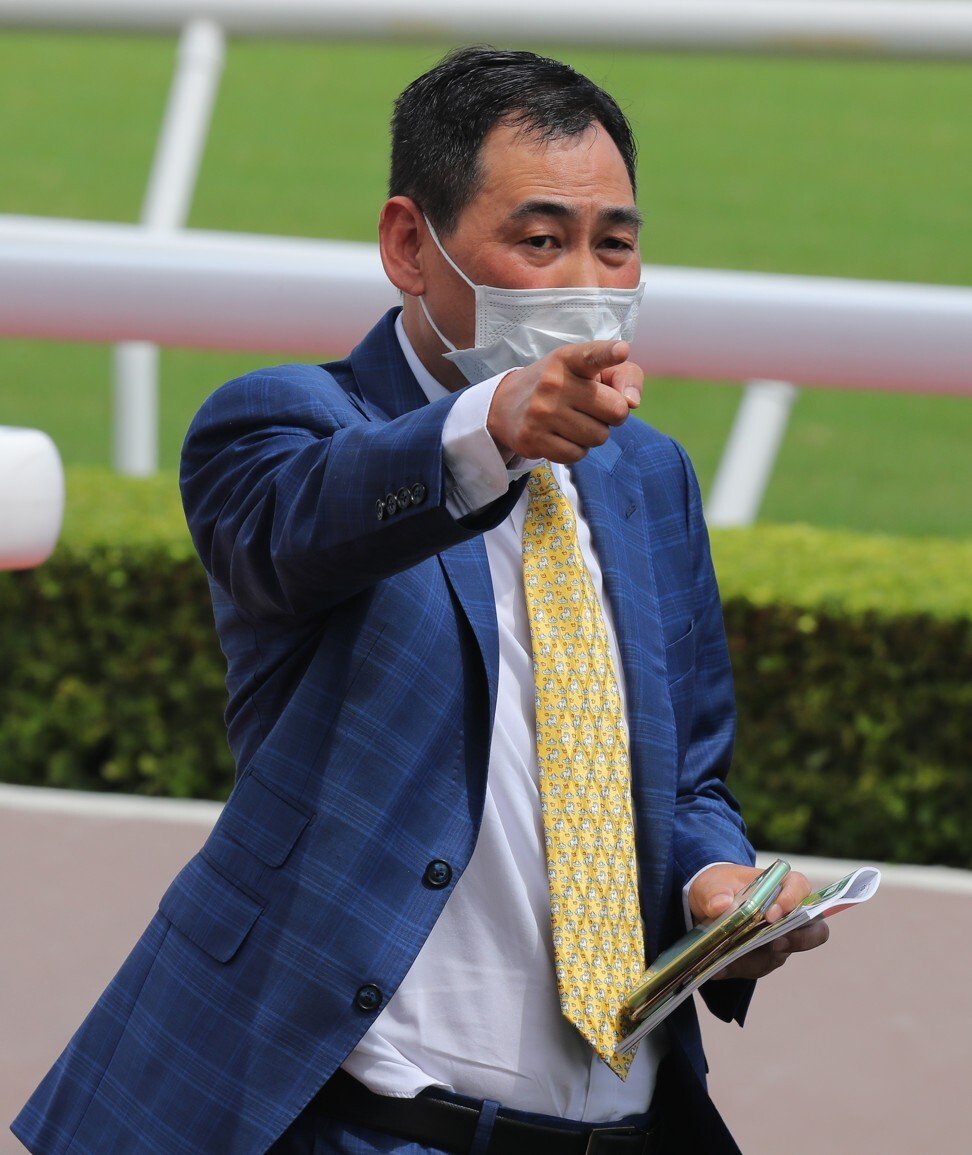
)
(362, 664)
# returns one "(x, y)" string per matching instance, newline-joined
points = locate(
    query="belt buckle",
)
(597, 1133)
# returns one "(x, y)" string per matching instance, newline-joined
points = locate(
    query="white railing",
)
(856, 26)
(168, 198)
(79, 281)
(74, 281)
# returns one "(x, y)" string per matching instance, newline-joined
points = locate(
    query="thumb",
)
(713, 892)
(716, 903)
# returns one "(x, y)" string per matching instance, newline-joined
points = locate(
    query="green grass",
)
(836, 167)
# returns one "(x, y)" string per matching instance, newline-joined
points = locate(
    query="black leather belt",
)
(451, 1125)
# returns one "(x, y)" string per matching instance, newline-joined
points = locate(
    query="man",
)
(362, 956)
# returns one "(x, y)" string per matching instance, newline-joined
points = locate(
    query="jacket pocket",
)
(209, 910)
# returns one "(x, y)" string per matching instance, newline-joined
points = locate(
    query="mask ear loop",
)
(449, 261)
(452, 264)
(435, 328)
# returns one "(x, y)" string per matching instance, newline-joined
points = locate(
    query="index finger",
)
(589, 359)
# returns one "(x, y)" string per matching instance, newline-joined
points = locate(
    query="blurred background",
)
(846, 167)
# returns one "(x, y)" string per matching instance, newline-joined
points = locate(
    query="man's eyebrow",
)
(621, 215)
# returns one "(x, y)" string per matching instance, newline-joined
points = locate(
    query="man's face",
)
(549, 214)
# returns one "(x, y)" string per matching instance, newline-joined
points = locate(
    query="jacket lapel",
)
(386, 389)
(613, 503)
(467, 570)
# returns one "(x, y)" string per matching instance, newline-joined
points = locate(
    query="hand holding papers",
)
(714, 944)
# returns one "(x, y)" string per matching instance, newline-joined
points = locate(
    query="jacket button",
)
(380, 509)
(391, 504)
(404, 497)
(438, 874)
(418, 493)
(368, 997)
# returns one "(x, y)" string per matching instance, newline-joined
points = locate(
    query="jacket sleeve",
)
(281, 481)
(708, 824)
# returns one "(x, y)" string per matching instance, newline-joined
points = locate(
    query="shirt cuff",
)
(687, 910)
(476, 473)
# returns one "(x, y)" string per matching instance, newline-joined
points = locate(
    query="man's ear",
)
(401, 231)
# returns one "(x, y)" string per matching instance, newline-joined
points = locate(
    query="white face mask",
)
(519, 326)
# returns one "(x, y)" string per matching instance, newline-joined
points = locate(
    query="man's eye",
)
(619, 243)
(541, 242)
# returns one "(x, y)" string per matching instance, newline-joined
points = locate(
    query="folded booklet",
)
(711, 946)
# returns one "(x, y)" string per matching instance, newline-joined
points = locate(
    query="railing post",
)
(750, 453)
(178, 155)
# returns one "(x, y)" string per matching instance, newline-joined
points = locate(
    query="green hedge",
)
(855, 732)
(852, 656)
(115, 678)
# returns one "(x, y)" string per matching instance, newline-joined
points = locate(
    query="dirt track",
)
(864, 1047)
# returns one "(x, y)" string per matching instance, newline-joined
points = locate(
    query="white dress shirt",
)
(478, 1012)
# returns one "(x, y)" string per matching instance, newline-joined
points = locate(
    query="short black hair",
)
(441, 120)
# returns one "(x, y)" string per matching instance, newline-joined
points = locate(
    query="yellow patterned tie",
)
(585, 777)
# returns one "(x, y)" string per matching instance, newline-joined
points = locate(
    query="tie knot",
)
(542, 482)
